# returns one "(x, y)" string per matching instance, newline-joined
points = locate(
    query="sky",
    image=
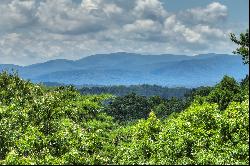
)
(37, 31)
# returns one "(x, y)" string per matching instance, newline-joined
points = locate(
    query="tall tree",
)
(243, 42)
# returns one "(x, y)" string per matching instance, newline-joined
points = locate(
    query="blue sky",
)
(238, 9)
(37, 31)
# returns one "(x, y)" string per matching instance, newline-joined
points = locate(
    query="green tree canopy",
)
(226, 91)
(243, 42)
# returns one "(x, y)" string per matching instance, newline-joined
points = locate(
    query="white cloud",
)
(112, 9)
(16, 14)
(142, 26)
(32, 31)
(174, 27)
(63, 16)
(211, 14)
(149, 9)
(210, 32)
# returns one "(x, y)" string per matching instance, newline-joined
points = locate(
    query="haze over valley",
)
(131, 69)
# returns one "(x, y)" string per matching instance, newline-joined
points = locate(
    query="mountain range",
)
(123, 68)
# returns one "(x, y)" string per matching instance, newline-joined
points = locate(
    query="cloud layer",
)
(35, 31)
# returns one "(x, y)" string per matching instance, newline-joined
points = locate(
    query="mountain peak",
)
(122, 68)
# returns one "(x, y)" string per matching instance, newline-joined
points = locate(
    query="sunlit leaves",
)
(40, 125)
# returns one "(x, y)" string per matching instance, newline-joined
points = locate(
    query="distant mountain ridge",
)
(130, 69)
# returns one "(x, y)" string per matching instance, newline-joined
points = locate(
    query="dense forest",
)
(142, 90)
(59, 125)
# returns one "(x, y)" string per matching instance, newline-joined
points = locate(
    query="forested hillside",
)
(143, 90)
(58, 125)
(123, 68)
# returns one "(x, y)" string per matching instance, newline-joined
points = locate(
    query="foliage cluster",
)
(243, 43)
(50, 126)
(142, 90)
(40, 125)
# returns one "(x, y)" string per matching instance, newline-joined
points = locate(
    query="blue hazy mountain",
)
(128, 68)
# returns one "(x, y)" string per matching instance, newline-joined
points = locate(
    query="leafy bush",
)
(169, 106)
(50, 126)
(202, 134)
(226, 91)
(129, 107)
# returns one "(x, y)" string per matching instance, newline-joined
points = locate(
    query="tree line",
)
(142, 90)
